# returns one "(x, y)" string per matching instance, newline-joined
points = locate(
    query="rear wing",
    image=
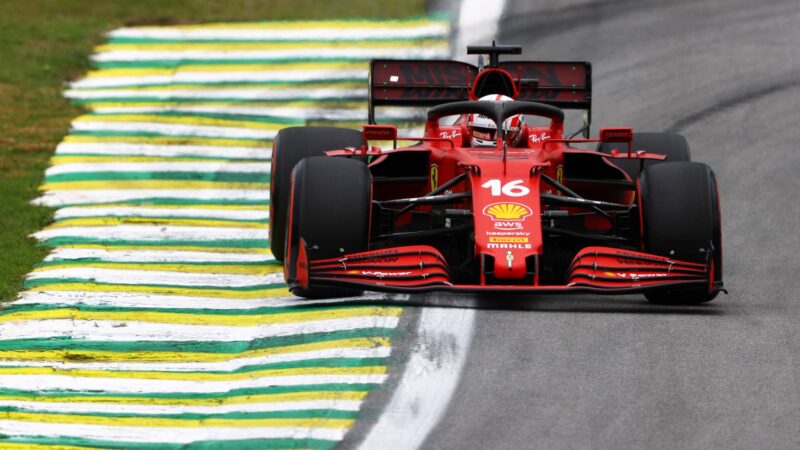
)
(565, 85)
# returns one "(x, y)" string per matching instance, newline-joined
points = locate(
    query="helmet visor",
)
(486, 134)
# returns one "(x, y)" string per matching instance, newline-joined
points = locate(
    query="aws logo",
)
(507, 216)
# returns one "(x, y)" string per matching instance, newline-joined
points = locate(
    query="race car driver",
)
(482, 130)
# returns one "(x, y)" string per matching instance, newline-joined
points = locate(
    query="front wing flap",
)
(422, 268)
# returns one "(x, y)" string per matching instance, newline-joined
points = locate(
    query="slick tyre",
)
(681, 220)
(330, 210)
(673, 145)
(290, 146)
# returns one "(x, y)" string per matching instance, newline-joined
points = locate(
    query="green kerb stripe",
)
(227, 347)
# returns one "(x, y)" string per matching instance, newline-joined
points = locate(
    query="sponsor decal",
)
(382, 274)
(541, 138)
(450, 135)
(507, 216)
(634, 275)
(434, 176)
(511, 245)
(559, 176)
(519, 240)
(507, 233)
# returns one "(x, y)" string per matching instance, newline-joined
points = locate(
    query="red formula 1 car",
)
(536, 214)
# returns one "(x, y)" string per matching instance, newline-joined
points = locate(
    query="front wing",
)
(421, 268)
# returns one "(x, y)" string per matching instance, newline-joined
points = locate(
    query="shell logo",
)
(507, 211)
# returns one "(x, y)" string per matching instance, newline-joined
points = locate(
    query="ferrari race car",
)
(531, 212)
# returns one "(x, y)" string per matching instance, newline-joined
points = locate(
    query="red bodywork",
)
(509, 215)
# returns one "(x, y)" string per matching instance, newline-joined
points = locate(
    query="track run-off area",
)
(160, 319)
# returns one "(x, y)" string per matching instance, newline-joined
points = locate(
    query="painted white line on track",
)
(133, 331)
(477, 24)
(428, 382)
(13, 428)
(128, 149)
(132, 384)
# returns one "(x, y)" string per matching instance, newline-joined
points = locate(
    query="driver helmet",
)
(482, 129)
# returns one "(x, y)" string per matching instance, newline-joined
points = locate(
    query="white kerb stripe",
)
(122, 148)
(251, 94)
(142, 385)
(436, 51)
(181, 166)
(230, 365)
(187, 435)
(100, 196)
(155, 233)
(133, 331)
(133, 211)
(154, 410)
(291, 76)
(156, 277)
(155, 256)
(175, 129)
(339, 32)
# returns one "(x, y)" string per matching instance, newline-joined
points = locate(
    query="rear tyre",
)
(673, 145)
(681, 220)
(289, 147)
(330, 210)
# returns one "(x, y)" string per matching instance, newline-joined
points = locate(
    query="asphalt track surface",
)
(618, 372)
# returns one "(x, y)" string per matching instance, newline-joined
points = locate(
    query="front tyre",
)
(330, 210)
(681, 220)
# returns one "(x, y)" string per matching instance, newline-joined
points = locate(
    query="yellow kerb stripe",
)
(172, 357)
(293, 25)
(148, 184)
(111, 221)
(30, 446)
(194, 376)
(237, 400)
(306, 66)
(195, 121)
(174, 423)
(122, 248)
(229, 269)
(66, 159)
(167, 290)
